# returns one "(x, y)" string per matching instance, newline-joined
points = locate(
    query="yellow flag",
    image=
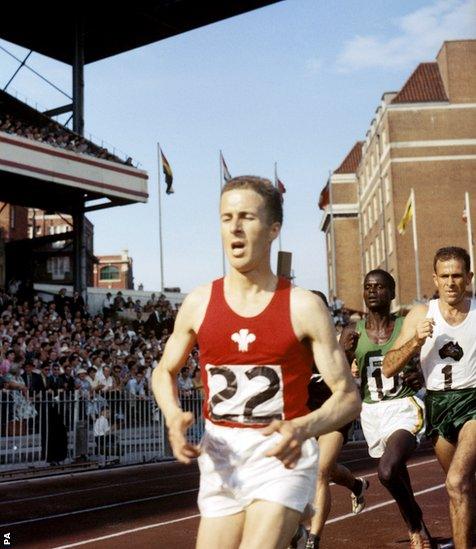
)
(407, 215)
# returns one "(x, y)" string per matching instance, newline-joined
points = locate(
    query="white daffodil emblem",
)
(243, 338)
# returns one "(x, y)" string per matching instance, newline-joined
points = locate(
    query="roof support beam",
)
(59, 110)
(78, 78)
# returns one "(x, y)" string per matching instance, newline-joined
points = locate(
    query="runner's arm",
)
(164, 384)
(311, 320)
(344, 404)
(416, 328)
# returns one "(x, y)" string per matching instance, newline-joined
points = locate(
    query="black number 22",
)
(232, 387)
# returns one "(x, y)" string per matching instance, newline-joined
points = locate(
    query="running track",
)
(154, 506)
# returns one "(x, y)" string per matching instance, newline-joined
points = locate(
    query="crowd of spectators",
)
(58, 347)
(57, 135)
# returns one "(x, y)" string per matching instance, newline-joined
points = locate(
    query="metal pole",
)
(221, 187)
(78, 79)
(276, 185)
(79, 247)
(363, 267)
(470, 241)
(382, 205)
(415, 247)
(333, 239)
(161, 245)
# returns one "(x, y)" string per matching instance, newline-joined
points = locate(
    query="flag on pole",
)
(324, 197)
(281, 188)
(226, 171)
(169, 176)
(407, 216)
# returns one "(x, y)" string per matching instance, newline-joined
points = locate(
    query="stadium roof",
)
(109, 28)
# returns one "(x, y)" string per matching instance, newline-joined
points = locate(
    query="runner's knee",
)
(387, 472)
(458, 484)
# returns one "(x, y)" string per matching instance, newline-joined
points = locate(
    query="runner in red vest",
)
(258, 338)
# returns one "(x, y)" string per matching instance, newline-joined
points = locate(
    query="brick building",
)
(54, 260)
(114, 272)
(423, 137)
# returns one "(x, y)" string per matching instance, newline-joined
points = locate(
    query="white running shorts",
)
(382, 419)
(234, 472)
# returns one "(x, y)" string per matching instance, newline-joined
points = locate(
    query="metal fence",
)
(118, 428)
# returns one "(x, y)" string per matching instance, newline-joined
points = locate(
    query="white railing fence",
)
(40, 429)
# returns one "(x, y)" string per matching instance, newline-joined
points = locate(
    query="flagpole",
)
(415, 246)
(161, 246)
(223, 262)
(276, 185)
(333, 240)
(470, 241)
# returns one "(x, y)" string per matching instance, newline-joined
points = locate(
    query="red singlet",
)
(254, 369)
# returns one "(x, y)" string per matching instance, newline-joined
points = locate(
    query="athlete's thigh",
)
(330, 446)
(464, 459)
(444, 450)
(401, 444)
(220, 532)
(269, 525)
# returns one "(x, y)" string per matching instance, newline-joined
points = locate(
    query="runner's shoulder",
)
(194, 306)
(417, 312)
(304, 301)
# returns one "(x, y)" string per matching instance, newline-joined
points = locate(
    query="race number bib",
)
(379, 385)
(245, 394)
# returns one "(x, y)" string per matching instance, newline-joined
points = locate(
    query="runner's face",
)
(377, 293)
(245, 230)
(451, 280)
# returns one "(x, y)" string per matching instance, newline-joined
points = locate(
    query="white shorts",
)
(235, 472)
(382, 419)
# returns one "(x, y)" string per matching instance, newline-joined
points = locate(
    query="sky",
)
(296, 83)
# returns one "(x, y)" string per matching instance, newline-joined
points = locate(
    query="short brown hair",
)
(263, 187)
(452, 252)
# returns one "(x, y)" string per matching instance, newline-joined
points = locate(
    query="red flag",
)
(324, 197)
(169, 177)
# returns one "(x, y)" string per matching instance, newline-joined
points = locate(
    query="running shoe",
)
(421, 539)
(312, 542)
(358, 502)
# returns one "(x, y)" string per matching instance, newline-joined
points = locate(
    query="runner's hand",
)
(349, 340)
(288, 450)
(182, 449)
(414, 379)
(424, 329)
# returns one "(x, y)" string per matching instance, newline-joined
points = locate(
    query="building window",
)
(372, 256)
(364, 222)
(367, 261)
(378, 251)
(376, 211)
(371, 219)
(110, 272)
(58, 267)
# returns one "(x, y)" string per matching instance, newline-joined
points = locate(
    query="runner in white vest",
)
(444, 334)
